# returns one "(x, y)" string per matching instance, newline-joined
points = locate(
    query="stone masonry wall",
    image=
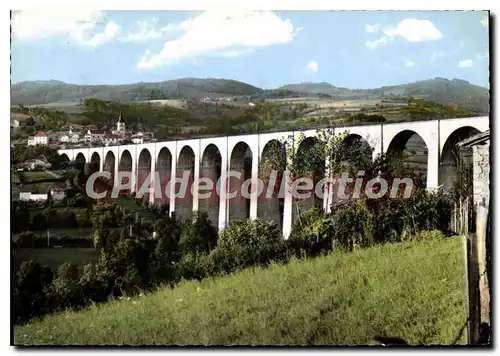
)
(481, 157)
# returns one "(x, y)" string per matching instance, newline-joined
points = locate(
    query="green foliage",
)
(198, 234)
(29, 293)
(248, 243)
(64, 290)
(311, 235)
(353, 227)
(419, 109)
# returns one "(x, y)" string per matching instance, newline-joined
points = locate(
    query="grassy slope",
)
(410, 291)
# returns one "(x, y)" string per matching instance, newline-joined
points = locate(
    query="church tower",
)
(120, 125)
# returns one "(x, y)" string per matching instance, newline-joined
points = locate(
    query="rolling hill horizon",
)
(448, 91)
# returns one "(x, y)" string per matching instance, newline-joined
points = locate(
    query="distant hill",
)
(44, 92)
(450, 92)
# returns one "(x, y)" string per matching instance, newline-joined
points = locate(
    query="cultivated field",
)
(412, 291)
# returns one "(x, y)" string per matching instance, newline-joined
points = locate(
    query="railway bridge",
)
(429, 146)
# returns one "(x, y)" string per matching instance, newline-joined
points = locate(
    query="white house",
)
(64, 138)
(39, 139)
(111, 139)
(137, 138)
(29, 196)
(94, 136)
(14, 123)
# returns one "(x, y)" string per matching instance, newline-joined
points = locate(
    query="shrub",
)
(29, 296)
(198, 235)
(423, 211)
(311, 235)
(91, 285)
(248, 243)
(64, 290)
(353, 227)
(194, 266)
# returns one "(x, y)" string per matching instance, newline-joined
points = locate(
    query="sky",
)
(353, 49)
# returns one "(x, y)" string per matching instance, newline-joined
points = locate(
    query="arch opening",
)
(272, 164)
(164, 169)
(125, 165)
(80, 162)
(356, 153)
(64, 160)
(449, 165)
(184, 183)
(240, 165)
(144, 174)
(95, 163)
(309, 163)
(109, 166)
(210, 171)
(408, 153)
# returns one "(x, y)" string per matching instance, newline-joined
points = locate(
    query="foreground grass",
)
(411, 291)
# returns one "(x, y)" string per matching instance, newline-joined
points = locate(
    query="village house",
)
(94, 136)
(110, 139)
(14, 123)
(39, 139)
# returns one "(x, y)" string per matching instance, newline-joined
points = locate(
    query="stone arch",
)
(359, 152)
(448, 165)
(272, 164)
(144, 174)
(64, 160)
(164, 169)
(185, 175)
(409, 151)
(240, 164)
(125, 165)
(80, 161)
(95, 162)
(210, 170)
(109, 166)
(310, 166)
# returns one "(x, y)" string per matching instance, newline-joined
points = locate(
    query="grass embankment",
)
(412, 291)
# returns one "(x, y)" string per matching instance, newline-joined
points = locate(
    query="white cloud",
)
(221, 33)
(147, 30)
(485, 21)
(409, 63)
(312, 66)
(374, 44)
(467, 63)
(77, 24)
(111, 30)
(411, 30)
(371, 28)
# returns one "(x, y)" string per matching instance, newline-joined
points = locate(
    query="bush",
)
(311, 235)
(64, 291)
(194, 266)
(248, 243)
(29, 297)
(198, 235)
(353, 227)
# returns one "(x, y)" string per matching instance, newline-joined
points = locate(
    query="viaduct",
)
(429, 144)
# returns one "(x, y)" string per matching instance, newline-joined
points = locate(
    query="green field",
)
(54, 257)
(413, 291)
(35, 176)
